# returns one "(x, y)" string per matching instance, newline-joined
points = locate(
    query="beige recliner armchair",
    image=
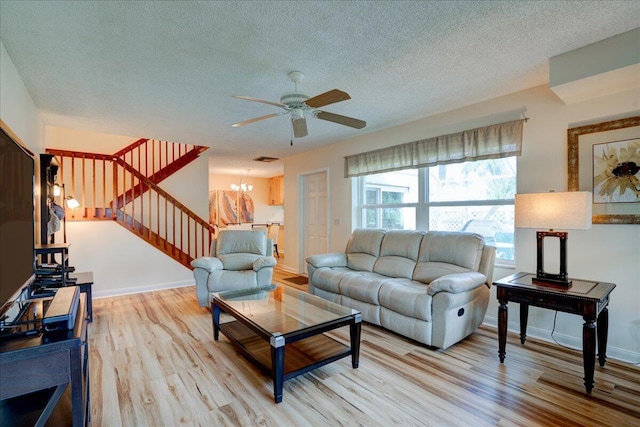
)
(240, 259)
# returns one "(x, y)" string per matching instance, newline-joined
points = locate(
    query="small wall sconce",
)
(71, 202)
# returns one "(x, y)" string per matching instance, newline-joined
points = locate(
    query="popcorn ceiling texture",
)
(168, 70)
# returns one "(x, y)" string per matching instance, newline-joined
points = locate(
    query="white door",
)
(314, 220)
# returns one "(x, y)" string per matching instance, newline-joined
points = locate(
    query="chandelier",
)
(244, 186)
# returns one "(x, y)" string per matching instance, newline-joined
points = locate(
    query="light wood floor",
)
(154, 363)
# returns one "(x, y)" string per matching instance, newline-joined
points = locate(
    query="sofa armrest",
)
(334, 259)
(262, 262)
(210, 264)
(457, 282)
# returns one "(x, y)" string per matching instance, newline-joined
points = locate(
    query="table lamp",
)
(562, 210)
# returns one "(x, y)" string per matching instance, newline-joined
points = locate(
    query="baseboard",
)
(574, 343)
(142, 289)
(288, 269)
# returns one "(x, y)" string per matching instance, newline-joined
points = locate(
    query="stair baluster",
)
(136, 171)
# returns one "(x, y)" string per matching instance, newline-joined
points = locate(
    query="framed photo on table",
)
(604, 158)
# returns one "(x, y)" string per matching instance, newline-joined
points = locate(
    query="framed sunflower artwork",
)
(604, 158)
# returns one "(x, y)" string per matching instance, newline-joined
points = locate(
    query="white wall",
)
(606, 252)
(120, 261)
(17, 109)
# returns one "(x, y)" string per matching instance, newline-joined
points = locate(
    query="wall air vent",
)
(266, 159)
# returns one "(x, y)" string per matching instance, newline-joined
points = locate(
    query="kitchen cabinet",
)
(276, 190)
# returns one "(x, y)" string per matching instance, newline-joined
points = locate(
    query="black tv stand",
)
(23, 318)
(36, 371)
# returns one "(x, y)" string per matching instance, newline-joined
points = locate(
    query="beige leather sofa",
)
(431, 286)
(240, 259)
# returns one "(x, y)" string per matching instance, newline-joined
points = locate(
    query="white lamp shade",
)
(72, 203)
(570, 210)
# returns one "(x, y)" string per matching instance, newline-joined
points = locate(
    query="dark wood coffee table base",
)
(585, 298)
(285, 356)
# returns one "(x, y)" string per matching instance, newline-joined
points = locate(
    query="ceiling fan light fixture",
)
(297, 114)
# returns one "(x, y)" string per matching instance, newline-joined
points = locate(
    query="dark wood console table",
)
(46, 361)
(585, 298)
(84, 281)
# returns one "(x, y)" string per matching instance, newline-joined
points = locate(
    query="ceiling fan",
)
(300, 105)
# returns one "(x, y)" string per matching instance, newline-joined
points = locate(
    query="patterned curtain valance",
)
(490, 142)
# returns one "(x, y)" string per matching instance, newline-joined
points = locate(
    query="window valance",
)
(490, 142)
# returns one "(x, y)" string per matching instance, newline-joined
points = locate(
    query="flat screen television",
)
(17, 219)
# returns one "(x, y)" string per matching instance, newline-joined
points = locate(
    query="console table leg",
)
(603, 332)
(589, 352)
(502, 329)
(524, 319)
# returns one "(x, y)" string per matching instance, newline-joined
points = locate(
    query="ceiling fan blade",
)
(299, 127)
(257, 119)
(264, 101)
(343, 120)
(327, 98)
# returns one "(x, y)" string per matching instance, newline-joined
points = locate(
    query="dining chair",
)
(274, 231)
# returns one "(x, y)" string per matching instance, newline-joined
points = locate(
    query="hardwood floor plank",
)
(105, 407)
(154, 363)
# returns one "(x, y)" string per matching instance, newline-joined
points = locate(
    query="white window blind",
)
(490, 142)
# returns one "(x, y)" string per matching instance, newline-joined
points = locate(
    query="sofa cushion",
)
(363, 248)
(407, 297)
(243, 241)
(328, 279)
(226, 280)
(370, 312)
(264, 262)
(443, 252)
(399, 253)
(208, 263)
(456, 283)
(408, 326)
(238, 261)
(363, 286)
(332, 259)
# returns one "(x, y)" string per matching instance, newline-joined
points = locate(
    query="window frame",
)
(423, 205)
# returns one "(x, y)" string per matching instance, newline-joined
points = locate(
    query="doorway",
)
(315, 213)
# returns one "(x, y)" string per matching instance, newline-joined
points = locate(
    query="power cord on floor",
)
(555, 316)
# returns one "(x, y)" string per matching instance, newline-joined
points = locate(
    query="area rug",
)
(297, 280)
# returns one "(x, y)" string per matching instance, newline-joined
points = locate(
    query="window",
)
(390, 200)
(472, 196)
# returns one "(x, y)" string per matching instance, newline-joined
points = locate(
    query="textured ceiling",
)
(168, 70)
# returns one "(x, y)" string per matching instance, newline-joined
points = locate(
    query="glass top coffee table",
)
(281, 329)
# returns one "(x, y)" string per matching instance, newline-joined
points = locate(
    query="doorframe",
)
(301, 208)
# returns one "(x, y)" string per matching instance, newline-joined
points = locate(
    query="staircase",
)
(123, 187)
